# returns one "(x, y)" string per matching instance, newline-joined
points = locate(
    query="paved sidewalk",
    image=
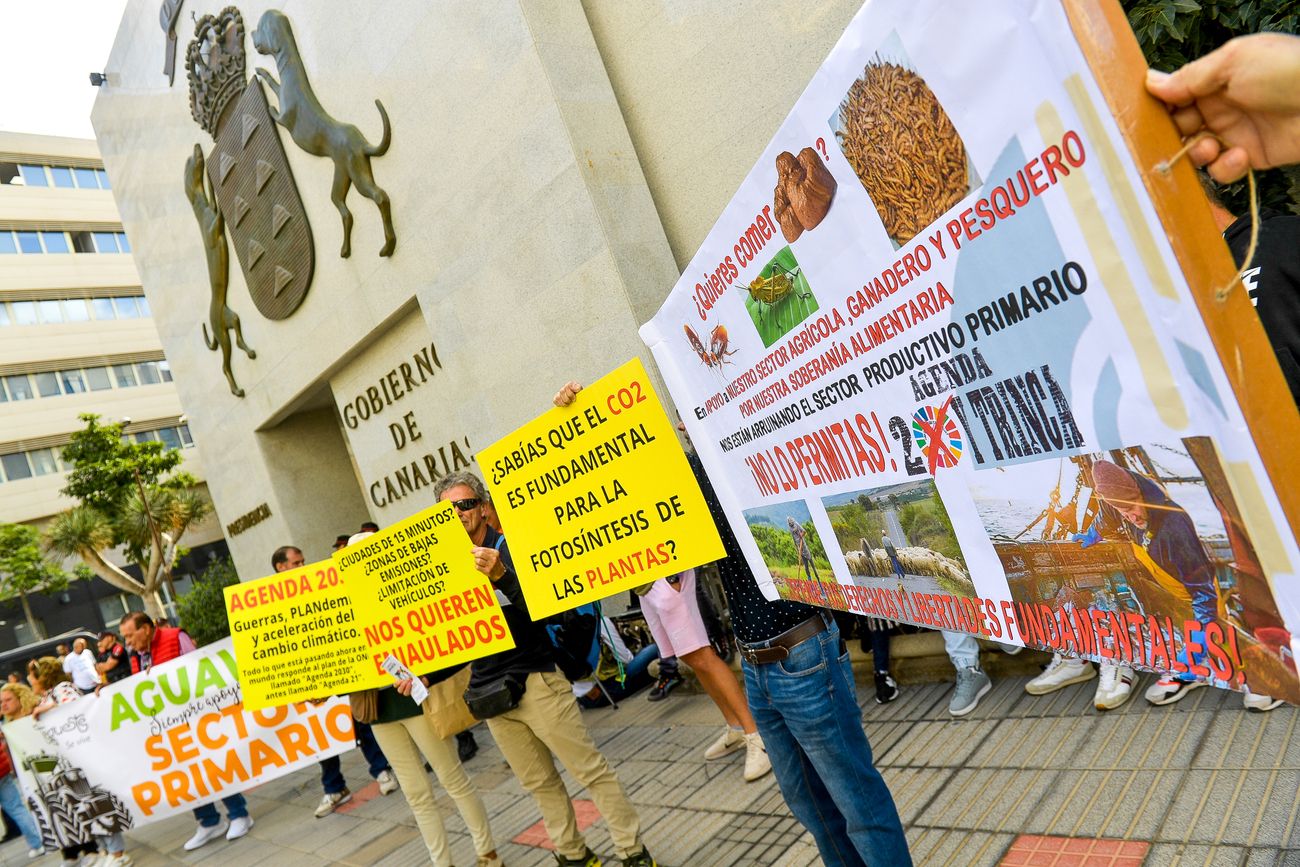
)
(1204, 782)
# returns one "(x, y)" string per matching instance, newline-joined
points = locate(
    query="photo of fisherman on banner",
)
(1139, 557)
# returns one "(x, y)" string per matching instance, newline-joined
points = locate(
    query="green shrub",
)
(203, 609)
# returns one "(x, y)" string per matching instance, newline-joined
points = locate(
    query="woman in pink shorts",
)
(673, 614)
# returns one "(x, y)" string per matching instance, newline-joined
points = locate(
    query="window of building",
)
(143, 305)
(83, 242)
(51, 311)
(34, 176)
(42, 461)
(47, 384)
(125, 375)
(170, 437)
(62, 176)
(86, 179)
(126, 308)
(24, 312)
(97, 379)
(102, 308)
(19, 387)
(146, 436)
(15, 466)
(106, 242)
(73, 382)
(74, 310)
(4, 314)
(148, 372)
(122, 243)
(103, 179)
(186, 439)
(8, 173)
(29, 242)
(7, 244)
(55, 242)
(165, 370)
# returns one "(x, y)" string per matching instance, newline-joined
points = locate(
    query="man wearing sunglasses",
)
(545, 720)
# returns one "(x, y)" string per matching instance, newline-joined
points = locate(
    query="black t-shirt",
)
(533, 650)
(123, 667)
(1273, 281)
(753, 617)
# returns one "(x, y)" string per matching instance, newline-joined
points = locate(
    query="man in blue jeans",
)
(799, 687)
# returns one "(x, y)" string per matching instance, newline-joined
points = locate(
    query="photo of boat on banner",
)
(1138, 554)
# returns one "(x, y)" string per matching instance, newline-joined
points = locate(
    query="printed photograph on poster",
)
(902, 144)
(790, 544)
(779, 298)
(900, 533)
(1150, 531)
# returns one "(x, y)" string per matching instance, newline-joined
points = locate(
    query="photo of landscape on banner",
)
(943, 368)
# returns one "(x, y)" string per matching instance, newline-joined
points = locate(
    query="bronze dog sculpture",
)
(313, 130)
(213, 227)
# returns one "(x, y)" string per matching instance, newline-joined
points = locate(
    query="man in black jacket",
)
(546, 719)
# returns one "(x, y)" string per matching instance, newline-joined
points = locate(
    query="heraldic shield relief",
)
(250, 176)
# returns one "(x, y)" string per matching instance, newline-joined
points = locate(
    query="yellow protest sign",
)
(597, 497)
(426, 604)
(410, 590)
(297, 635)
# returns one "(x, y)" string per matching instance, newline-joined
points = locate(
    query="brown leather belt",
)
(779, 648)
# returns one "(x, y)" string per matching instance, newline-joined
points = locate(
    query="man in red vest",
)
(154, 645)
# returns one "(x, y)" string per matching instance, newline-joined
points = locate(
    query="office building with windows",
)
(76, 336)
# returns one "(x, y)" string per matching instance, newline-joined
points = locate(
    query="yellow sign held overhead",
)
(597, 498)
(410, 590)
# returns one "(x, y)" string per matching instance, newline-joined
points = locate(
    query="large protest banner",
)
(597, 498)
(943, 365)
(161, 743)
(410, 590)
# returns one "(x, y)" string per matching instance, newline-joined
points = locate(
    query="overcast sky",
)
(48, 48)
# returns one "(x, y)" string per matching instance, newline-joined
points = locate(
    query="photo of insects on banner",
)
(943, 366)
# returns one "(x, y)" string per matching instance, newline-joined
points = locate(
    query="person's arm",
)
(1247, 93)
(107, 666)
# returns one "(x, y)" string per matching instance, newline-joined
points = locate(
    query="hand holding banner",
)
(597, 497)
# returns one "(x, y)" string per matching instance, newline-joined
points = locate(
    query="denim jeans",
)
(236, 808)
(11, 799)
(807, 711)
(963, 649)
(331, 769)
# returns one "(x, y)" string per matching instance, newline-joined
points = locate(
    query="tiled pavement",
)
(1207, 784)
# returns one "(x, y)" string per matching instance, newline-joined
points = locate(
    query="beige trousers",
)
(399, 741)
(548, 721)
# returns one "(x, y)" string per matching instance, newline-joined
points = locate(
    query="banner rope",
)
(1221, 294)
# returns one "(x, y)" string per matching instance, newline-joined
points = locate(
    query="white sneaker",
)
(239, 827)
(35, 853)
(121, 859)
(1060, 672)
(204, 834)
(756, 761)
(331, 802)
(1114, 686)
(1259, 703)
(727, 743)
(387, 782)
(1167, 690)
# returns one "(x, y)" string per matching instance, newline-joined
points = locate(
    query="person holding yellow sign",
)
(529, 706)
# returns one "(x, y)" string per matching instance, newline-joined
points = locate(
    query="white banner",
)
(942, 366)
(161, 743)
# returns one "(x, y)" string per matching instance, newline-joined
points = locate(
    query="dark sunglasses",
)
(466, 504)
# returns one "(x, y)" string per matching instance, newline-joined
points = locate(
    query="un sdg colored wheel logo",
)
(938, 436)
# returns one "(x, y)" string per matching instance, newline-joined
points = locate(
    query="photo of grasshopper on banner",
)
(410, 590)
(597, 498)
(1016, 405)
